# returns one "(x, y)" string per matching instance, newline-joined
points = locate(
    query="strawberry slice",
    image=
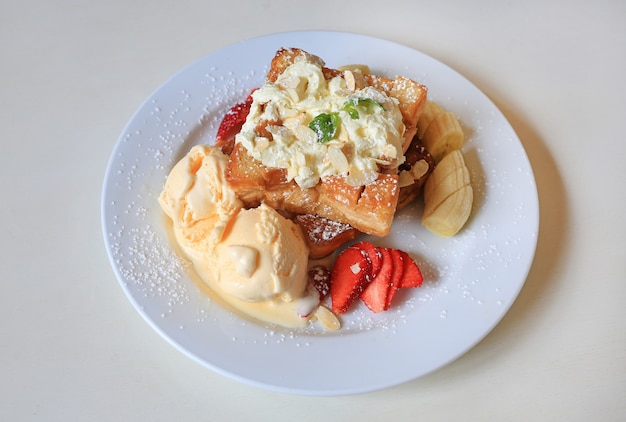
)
(319, 276)
(412, 275)
(398, 271)
(231, 124)
(375, 295)
(374, 255)
(348, 278)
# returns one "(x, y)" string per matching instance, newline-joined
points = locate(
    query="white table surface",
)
(72, 74)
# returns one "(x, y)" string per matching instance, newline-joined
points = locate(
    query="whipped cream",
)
(364, 126)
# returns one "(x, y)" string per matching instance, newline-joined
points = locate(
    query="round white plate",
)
(471, 279)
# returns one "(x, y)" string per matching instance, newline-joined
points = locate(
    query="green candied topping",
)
(325, 126)
(351, 110)
(366, 101)
(350, 106)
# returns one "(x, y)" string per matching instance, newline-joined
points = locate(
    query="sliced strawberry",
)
(231, 124)
(348, 278)
(375, 295)
(412, 276)
(373, 252)
(319, 276)
(398, 271)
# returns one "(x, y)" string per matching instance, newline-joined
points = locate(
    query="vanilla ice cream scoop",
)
(262, 257)
(254, 260)
(199, 200)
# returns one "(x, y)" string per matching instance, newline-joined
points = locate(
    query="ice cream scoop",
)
(198, 199)
(263, 256)
(254, 260)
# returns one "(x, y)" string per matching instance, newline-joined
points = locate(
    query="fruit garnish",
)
(398, 271)
(231, 124)
(439, 131)
(350, 275)
(351, 106)
(375, 294)
(411, 275)
(373, 253)
(448, 196)
(389, 270)
(319, 277)
(325, 126)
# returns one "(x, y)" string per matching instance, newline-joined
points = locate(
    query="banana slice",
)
(430, 111)
(436, 194)
(451, 172)
(448, 196)
(443, 135)
(452, 214)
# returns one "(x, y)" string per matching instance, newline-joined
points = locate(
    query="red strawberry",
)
(348, 278)
(398, 271)
(319, 276)
(375, 295)
(412, 276)
(231, 124)
(374, 255)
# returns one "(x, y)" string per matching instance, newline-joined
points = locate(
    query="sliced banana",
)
(430, 111)
(448, 196)
(451, 215)
(450, 174)
(443, 135)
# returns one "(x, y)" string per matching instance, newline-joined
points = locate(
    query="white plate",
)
(472, 279)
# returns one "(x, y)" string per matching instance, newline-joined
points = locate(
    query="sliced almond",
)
(305, 134)
(338, 159)
(350, 81)
(405, 179)
(261, 143)
(419, 169)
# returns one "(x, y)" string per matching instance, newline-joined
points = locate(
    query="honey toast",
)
(368, 208)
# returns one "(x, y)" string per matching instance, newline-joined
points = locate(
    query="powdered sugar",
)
(321, 230)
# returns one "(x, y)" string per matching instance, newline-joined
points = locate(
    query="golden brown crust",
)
(324, 236)
(285, 57)
(411, 96)
(368, 208)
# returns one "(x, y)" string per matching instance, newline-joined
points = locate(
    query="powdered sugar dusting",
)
(150, 264)
(321, 230)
